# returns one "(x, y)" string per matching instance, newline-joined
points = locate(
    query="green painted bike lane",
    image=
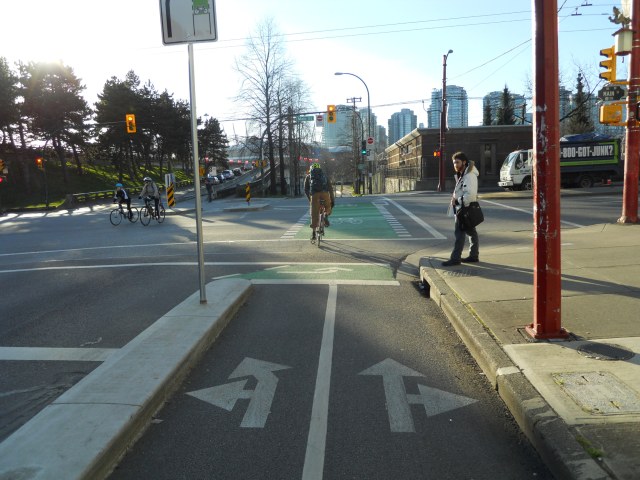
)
(363, 220)
(323, 273)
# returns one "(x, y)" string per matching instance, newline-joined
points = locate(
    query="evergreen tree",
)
(506, 110)
(579, 119)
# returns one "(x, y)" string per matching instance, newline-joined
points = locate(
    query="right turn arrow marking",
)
(398, 400)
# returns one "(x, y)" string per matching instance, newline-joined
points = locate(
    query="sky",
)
(395, 47)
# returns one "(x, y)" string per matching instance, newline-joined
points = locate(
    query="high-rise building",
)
(564, 99)
(457, 107)
(340, 132)
(519, 102)
(374, 121)
(401, 123)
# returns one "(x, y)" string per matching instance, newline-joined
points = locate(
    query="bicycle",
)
(321, 223)
(148, 212)
(118, 213)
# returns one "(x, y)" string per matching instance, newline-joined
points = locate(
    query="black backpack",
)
(318, 181)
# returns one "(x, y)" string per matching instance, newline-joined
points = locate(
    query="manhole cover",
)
(605, 351)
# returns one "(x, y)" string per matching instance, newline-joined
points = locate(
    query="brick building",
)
(411, 165)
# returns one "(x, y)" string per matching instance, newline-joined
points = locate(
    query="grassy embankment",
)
(94, 178)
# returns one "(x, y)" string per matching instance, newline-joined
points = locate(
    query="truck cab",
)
(516, 171)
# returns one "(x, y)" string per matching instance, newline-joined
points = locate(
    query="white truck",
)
(582, 163)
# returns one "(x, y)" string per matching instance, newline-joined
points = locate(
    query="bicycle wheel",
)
(114, 217)
(160, 217)
(134, 215)
(320, 229)
(145, 217)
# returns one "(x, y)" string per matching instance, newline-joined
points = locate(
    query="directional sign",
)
(187, 21)
(306, 118)
(609, 93)
(398, 400)
(226, 396)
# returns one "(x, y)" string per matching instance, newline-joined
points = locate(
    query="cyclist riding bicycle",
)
(122, 196)
(318, 187)
(150, 189)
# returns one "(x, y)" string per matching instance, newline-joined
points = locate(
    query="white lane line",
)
(298, 281)
(56, 354)
(393, 222)
(529, 212)
(296, 227)
(419, 221)
(316, 442)
(178, 264)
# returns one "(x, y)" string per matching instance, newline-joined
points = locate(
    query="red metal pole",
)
(547, 294)
(443, 125)
(632, 150)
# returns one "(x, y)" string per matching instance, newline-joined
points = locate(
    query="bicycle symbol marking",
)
(322, 270)
(347, 220)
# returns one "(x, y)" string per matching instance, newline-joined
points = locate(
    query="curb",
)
(553, 439)
(86, 431)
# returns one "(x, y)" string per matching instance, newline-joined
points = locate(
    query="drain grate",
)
(605, 351)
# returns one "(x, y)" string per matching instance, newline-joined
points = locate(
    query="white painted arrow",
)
(226, 396)
(434, 401)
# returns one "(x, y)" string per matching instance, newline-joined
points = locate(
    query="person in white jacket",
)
(465, 192)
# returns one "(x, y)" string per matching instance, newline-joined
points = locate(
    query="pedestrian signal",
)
(40, 163)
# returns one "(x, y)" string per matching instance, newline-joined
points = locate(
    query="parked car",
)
(220, 177)
(228, 174)
(237, 172)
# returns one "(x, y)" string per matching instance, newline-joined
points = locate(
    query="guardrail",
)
(85, 197)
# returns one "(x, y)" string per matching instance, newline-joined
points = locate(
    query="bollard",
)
(247, 190)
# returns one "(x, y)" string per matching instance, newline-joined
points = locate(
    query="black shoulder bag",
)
(469, 217)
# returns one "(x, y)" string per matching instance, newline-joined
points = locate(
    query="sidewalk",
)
(578, 400)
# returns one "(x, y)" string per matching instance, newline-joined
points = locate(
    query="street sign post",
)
(306, 118)
(190, 21)
(610, 93)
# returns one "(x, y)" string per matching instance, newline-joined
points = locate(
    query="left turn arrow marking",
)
(225, 396)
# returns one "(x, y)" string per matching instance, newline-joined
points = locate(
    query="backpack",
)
(318, 181)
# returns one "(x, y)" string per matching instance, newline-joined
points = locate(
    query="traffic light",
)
(609, 64)
(40, 163)
(1, 178)
(364, 147)
(331, 114)
(436, 153)
(131, 123)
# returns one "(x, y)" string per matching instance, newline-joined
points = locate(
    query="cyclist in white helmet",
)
(150, 189)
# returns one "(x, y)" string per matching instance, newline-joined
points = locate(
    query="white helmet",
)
(146, 179)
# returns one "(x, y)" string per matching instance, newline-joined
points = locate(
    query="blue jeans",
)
(474, 244)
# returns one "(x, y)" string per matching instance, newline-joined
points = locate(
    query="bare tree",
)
(264, 69)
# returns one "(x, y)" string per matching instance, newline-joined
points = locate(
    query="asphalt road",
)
(71, 280)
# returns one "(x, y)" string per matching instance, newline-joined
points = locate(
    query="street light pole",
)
(443, 122)
(368, 110)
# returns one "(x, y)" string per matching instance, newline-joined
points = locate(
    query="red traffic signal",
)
(40, 162)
